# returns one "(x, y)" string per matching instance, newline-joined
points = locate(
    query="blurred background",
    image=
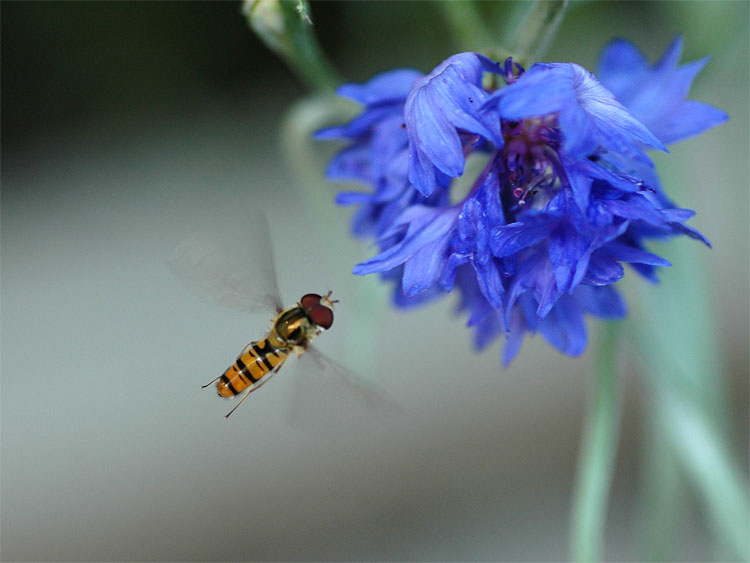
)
(125, 126)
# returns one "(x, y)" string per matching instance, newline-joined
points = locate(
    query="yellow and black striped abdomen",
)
(255, 362)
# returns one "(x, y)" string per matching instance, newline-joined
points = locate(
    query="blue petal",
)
(448, 278)
(473, 300)
(545, 291)
(636, 207)
(602, 302)
(403, 301)
(648, 272)
(423, 270)
(468, 221)
(426, 225)
(580, 181)
(569, 254)
(487, 331)
(641, 208)
(671, 56)
(388, 147)
(509, 239)
(578, 169)
(353, 198)
(386, 87)
(602, 270)
(691, 232)
(490, 282)
(691, 119)
(657, 95)
(481, 212)
(358, 126)
(621, 69)
(589, 115)
(448, 99)
(351, 163)
(565, 328)
(626, 253)
(536, 275)
(515, 336)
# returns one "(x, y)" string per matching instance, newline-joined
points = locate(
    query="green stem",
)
(534, 33)
(597, 455)
(708, 462)
(306, 57)
(468, 26)
(662, 494)
(529, 35)
(687, 383)
(286, 28)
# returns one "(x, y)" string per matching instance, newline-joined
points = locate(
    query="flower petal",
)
(386, 87)
(602, 270)
(565, 328)
(602, 302)
(423, 270)
(626, 253)
(657, 95)
(589, 115)
(507, 240)
(351, 163)
(426, 226)
(447, 100)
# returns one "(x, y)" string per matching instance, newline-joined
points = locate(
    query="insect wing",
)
(230, 266)
(326, 392)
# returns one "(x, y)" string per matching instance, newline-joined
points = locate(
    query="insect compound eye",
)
(310, 300)
(321, 316)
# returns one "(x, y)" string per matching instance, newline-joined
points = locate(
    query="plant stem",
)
(708, 462)
(662, 494)
(687, 384)
(536, 30)
(467, 24)
(597, 455)
(305, 56)
(286, 28)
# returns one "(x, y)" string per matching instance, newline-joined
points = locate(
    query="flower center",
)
(530, 155)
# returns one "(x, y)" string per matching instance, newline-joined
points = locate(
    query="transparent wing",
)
(230, 265)
(327, 394)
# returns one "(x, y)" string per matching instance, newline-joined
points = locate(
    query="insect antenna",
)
(327, 299)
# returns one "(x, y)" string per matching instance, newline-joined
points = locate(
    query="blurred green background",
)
(127, 125)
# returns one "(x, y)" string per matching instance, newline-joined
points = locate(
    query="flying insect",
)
(292, 331)
(211, 265)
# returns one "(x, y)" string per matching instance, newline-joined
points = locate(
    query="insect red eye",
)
(310, 300)
(321, 316)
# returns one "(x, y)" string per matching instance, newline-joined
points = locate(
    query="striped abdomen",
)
(255, 362)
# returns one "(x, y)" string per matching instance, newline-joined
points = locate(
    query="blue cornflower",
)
(566, 196)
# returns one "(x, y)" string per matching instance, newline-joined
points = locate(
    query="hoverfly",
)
(211, 265)
(292, 331)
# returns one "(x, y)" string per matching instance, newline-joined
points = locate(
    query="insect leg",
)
(252, 388)
(210, 382)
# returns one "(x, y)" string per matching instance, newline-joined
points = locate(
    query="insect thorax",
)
(292, 328)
